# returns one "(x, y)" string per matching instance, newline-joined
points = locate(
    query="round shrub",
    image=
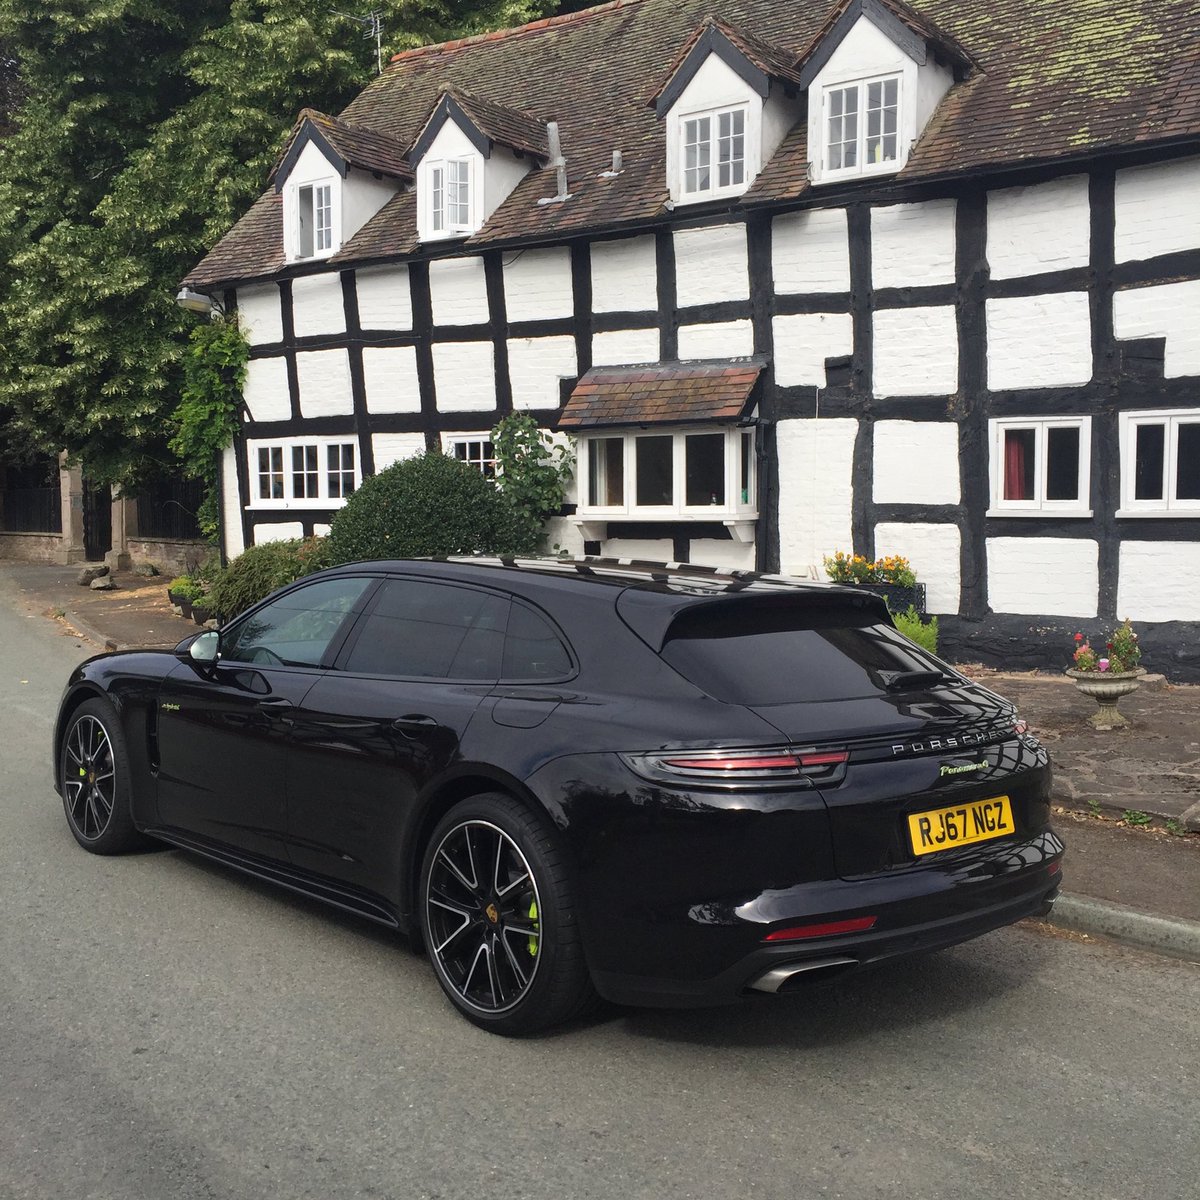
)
(259, 570)
(429, 506)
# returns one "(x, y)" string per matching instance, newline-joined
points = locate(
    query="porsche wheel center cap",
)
(492, 913)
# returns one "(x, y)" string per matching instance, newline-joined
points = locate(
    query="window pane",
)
(305, 476)
(431, 631)
(270, 473)
(296, 628)
(480, 455)
(458, 195)
(340, 460)
(747, 467)
(1187, 462)
(532, 649)
(1019, 464)
(437, 200)
(606, 472)
(882, 117)
(1062, 464)
(1149, 460)
(731, 151)
(304, 219)
(841, 134)
(323, 216)
(705, 457)
(655, 471)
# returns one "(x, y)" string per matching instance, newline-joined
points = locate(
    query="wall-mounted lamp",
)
(198, 302)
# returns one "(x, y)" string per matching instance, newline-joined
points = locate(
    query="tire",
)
(498, 915)
(95, 781)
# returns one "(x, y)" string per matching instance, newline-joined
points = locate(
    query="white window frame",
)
(1039, 506)
(295, 189)
(862, 167)
(715, 190)
(290, 500)
(437, 204)
(678, 509)
(1168, 506)
(452, 441)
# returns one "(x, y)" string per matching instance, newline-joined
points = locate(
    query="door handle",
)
(276, 707)
(409, 720)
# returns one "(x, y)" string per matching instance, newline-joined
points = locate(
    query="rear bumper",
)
(918, 912)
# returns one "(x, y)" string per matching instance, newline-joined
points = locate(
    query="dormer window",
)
(314, 219)
(862, 124)
(450, 196)
(714, 152)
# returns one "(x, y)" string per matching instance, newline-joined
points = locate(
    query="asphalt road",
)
(168, 1029)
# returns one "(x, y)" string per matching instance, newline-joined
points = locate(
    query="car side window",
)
(296, 629)
(417, 629)
(532, 650)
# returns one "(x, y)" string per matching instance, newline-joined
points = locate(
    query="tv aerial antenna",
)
(372, 27)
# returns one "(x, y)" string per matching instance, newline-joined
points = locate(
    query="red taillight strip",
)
(773, 762)
(795, 933)
(830, 759)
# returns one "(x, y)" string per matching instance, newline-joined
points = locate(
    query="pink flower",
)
(1103, 664)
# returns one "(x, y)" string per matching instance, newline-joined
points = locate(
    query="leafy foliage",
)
(428, 506)
(924, 633)
(259, 570)
(207, 418)
(848, 568)
(533, 470)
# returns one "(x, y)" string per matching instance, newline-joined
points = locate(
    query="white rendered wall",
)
(317, 306)
(362, 197)
(804, 341)
(916, 352)
(810, 251)
(916, 462)
(1159, 581)
(624, 276)
(661, 550)
(933, 550)
(324, 380)
(724, 339)
(535, 366)
(1157, 209)
(458, 291)
(710, 265)
(260, 315)
(320, 530)
(912, 245)
(623, 346)
(464, 375)
(1039, 341)
(1043, 576)
(1031, 230)
(562, 534)
(501, 173)
(1171, 311)
(537, 285)
(277, 531)
(390, 376)
(266, 390)
(726, 554)
(816, 460)
(311, 167)
(384, 298)
(231, 504)
(389, 448)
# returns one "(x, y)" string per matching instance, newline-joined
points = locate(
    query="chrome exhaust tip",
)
(778, 978)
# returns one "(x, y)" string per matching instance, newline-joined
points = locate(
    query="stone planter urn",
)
(1106, 688)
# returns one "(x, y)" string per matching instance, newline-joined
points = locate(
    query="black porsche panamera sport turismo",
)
(563, 778)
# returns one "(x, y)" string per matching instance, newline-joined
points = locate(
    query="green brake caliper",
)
(533, 937)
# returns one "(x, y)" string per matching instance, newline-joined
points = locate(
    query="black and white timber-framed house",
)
(904, 278)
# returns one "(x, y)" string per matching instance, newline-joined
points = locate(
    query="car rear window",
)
(784, 651)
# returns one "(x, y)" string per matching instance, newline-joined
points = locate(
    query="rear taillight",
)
(798, 933)
(750, 766)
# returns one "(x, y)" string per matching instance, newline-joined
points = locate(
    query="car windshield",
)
(784, 652)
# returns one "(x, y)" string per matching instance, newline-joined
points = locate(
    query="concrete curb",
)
(1163, 935)
(89, 632)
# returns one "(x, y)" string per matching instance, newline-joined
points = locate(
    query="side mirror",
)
(205, 647)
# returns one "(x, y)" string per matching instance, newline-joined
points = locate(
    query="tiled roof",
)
(390, 233)
(359, 147)
(687, 392)
(506, 126)
(252, 249)
(1069, 79)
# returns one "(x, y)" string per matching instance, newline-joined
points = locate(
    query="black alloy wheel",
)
(94, 778)
(499, 919)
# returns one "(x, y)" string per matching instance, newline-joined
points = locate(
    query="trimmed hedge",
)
(429, 506)
(259, 570)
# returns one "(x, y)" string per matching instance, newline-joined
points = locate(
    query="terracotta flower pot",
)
(1106, 688)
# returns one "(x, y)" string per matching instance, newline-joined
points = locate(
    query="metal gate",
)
(97, 521)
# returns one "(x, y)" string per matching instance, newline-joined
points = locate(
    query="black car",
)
(662, 785)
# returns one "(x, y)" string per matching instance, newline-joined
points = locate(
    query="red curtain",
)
(1014, 468)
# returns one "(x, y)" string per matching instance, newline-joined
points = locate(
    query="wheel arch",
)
(79, 695)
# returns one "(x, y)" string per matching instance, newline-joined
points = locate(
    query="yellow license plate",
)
(944, 828)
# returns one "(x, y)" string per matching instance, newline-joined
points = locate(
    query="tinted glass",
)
(606, 472)
(1019, 464)
(781, 652)
(420, 630)
(1149, 457)
(1062, 463)
(532, 649)
(705, 456)
(297, 628)
(1187, 462)
(655, 470)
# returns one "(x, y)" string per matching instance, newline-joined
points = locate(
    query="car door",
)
(224, 728)
(390, 716)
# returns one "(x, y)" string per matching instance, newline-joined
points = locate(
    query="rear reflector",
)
(796, 933)
(1054, 868)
